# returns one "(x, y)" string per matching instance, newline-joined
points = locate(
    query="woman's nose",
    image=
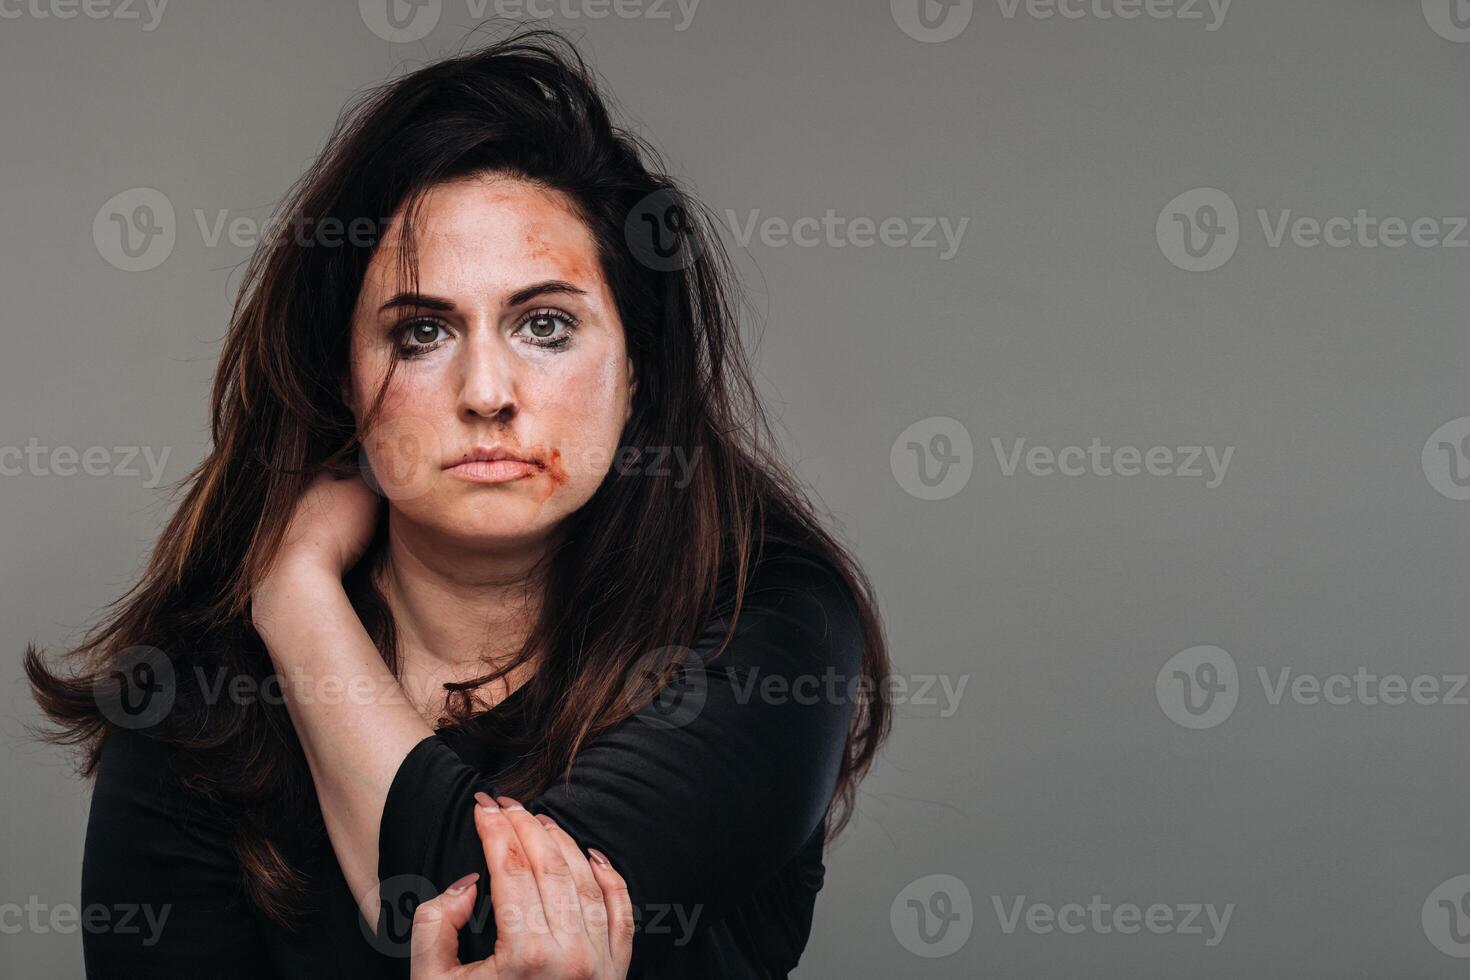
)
(488, 383)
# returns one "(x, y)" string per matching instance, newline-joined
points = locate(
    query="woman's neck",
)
(459, 613)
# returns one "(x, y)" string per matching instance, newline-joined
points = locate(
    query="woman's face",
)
(510, 345)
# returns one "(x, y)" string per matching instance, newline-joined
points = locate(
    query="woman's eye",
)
(422, 333)
(542, 328)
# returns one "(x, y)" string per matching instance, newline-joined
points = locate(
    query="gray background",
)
(1060, 775)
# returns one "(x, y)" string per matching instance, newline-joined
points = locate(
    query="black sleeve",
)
(159, 884)
(697, 802)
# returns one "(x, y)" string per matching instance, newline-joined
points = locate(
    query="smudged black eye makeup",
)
(411, 340)
(419, 336)
(548, 320)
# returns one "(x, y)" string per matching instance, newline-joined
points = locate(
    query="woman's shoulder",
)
(138, 795)
(798, 611)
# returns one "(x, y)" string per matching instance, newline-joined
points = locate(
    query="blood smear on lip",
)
(556, 474)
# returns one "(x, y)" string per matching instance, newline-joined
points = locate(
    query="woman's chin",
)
(511, 525)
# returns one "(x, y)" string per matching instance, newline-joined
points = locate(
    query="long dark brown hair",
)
(638, 567)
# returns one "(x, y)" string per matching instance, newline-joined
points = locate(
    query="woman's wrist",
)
(291, 585)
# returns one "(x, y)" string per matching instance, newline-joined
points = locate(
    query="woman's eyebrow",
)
(523, 295)
(416, 301)
(550, 286)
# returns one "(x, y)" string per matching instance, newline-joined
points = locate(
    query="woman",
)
(571, 572)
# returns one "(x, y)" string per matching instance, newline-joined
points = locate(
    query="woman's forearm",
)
(350, 714)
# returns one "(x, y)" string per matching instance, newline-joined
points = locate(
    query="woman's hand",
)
(557, 914)
(331, 526)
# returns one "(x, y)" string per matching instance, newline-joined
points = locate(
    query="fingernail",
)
(509, 804)
(463, 883)
(545, 821)
(484, 800)
(599, 857)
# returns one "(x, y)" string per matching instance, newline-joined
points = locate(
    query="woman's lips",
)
(495, 471)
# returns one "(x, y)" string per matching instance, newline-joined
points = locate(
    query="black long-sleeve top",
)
(710, 803)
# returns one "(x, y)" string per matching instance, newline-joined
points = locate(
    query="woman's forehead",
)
(486, 236)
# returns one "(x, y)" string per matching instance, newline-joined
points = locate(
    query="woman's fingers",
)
(514, 894)
(434, 944)
(556, 912)
(619, 906)
(589, 892)
(559, 900)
